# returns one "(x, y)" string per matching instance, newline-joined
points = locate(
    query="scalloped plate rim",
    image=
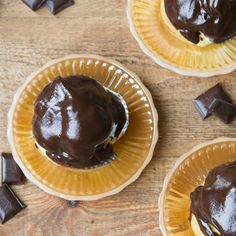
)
(164, 63)
(178, 162)
(91, 197)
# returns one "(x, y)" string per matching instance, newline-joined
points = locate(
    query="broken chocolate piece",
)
(224, 110)
(10, 204)
(11, 173)
(72, 204)
(203, 101)
(34, 4)
(55, 6)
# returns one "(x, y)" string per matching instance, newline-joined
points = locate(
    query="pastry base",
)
(195, 226)
(196, 229)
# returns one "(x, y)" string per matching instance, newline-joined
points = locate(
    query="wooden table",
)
(27, 41)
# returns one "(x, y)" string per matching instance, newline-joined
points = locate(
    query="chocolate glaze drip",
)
(216, 19)
(74, 120)
(215, 202)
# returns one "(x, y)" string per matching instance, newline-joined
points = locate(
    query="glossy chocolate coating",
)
(215, 202)
(216, 19)
(74, 118)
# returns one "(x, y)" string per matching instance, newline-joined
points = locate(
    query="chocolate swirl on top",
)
(75, 119)
(216, 19)
(214, 204)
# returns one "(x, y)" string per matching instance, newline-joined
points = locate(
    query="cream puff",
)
(213, 205)
(203, 22)
(76, 120)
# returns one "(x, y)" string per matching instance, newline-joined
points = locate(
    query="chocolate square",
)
(72, 204)
(11, 173)
(203, 101)
(10, 204)
(223, 110)
(34, 4)
(55, 6)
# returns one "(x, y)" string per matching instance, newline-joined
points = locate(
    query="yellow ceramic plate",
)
(188, 173)
(134, 150)
(155, 35)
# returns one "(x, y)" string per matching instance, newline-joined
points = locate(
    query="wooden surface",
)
(27, 41)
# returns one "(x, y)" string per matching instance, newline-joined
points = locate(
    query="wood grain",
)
(27, 41)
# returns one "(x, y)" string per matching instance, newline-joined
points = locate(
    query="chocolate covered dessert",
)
(213, 206)
(77, 120)
(203, 22)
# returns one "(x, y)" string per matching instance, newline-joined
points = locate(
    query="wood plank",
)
(27, 41)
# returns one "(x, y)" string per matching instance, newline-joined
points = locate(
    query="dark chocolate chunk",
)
(203, 101)
(34, 4)
(11, 173)
(224, 110)
(10, 204)
(55, 6)
(72, 204)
